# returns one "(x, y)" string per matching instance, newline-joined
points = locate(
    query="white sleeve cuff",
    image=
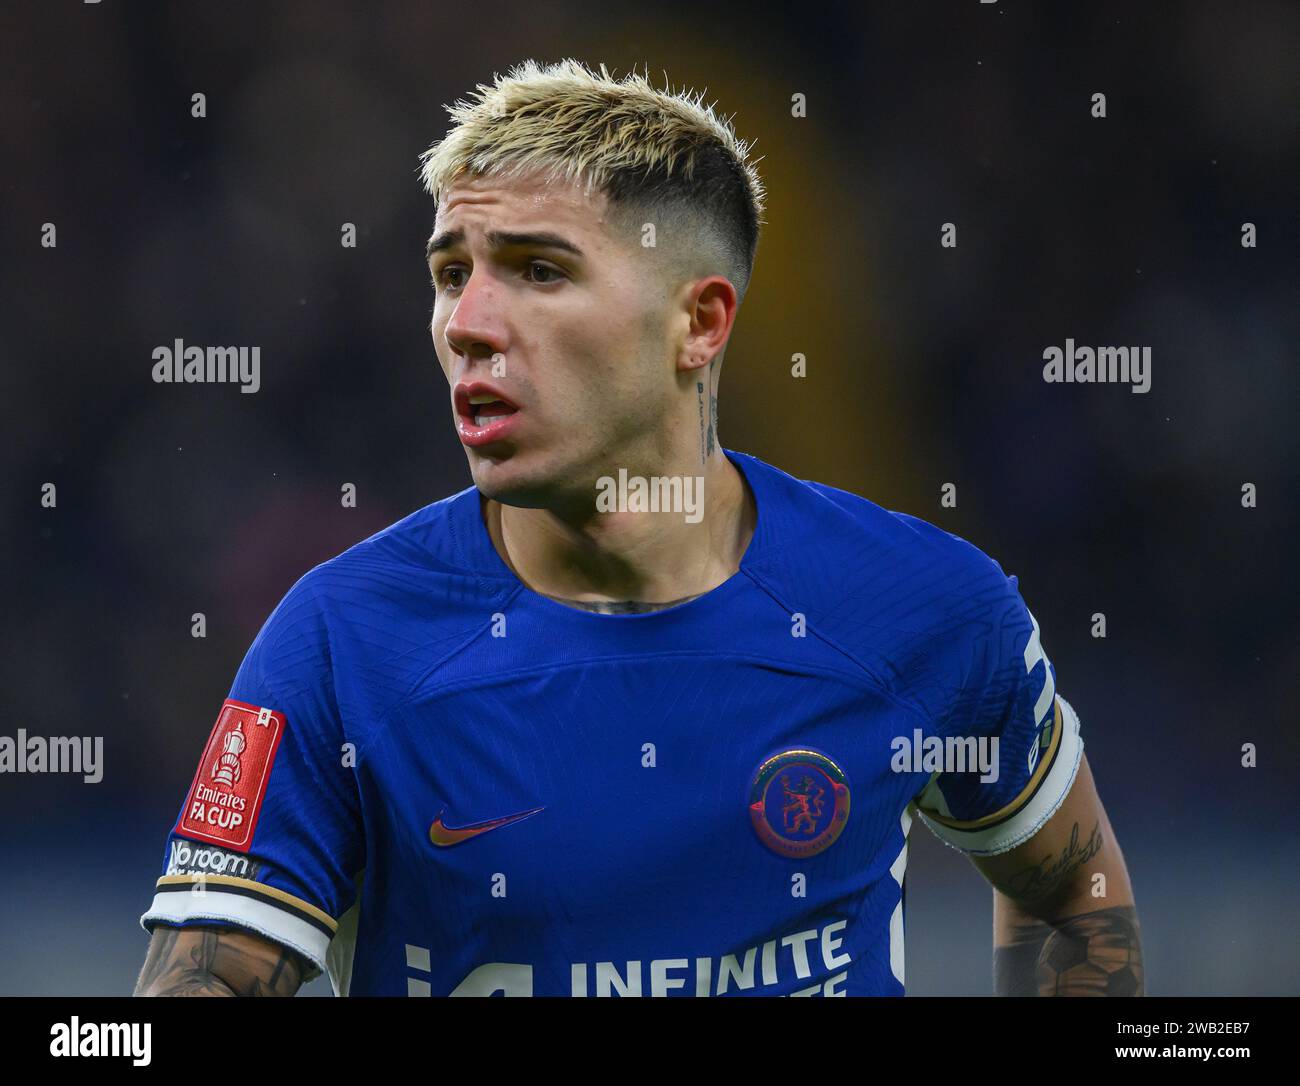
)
(1006, 834)
(291, 921)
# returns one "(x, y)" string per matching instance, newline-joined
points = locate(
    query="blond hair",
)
(648, 151)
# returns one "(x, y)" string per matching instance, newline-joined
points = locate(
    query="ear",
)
(711, 308)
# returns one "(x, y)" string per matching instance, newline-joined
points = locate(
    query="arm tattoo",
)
(1047, 875)
(1091, 954)
(211, 962)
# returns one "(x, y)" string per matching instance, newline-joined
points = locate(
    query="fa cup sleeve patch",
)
(231, 780)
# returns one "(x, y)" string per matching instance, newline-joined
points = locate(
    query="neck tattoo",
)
(622, 607)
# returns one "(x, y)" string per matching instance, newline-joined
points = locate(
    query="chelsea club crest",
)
(799, 803)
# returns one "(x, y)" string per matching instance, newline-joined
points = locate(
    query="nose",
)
(475, 327)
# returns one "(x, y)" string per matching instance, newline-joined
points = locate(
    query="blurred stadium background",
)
(924, 368)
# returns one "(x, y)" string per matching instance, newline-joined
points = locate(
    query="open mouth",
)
(483, 414)
(485, 408)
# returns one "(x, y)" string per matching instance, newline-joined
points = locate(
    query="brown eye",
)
(440, 277)
(545, 268)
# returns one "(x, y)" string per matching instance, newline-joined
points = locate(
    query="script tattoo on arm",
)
(1090, 954)
(1056, 946)
(1065, 920)
(213, 962)
(1041, 880)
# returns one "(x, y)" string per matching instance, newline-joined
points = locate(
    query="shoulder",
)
(357, 630)
(907, 570)
(429, 541)
(426, 568)
(919, 609)
(926, 545)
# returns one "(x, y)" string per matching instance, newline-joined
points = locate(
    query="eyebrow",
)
(502, 239)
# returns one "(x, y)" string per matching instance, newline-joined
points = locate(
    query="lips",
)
(484, 413)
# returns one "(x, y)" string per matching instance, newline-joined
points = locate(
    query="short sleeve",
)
(269, 837)
(1012, 744)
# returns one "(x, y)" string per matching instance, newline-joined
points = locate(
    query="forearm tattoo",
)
(212, 962)
(1090, 954)
(1041, 880)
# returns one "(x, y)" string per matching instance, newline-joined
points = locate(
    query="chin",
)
(507, 480)
(512, 480)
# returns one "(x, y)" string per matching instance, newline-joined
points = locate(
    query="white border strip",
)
(898, 869)
(178, 906)
(1029, 820)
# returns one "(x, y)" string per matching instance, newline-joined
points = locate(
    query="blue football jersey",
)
(430, 780)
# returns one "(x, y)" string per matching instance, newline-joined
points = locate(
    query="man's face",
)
(580, 341)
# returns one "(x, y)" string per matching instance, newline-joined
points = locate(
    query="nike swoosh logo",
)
(444, 836)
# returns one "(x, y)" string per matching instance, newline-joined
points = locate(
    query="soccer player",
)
(634, 714)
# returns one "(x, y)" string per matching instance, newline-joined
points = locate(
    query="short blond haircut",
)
(658, 156)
